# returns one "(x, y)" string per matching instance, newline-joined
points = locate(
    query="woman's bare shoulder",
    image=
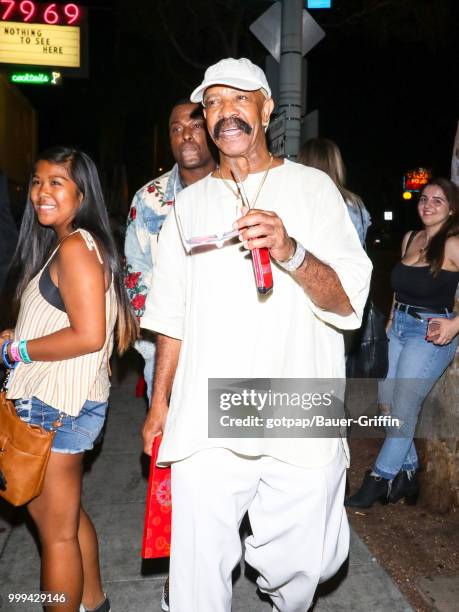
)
(452, 244)
(77, 249)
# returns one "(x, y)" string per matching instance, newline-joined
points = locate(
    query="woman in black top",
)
(422, 334)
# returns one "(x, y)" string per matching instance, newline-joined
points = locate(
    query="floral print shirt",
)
(149, 209)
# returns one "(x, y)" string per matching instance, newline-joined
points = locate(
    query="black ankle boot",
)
(405, 484)
(373, 488)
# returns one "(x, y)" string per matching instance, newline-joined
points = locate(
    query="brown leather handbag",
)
(24, 454)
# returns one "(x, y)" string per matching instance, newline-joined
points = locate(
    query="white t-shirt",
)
(208, 299)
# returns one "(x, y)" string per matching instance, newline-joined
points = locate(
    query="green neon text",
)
(35, 78)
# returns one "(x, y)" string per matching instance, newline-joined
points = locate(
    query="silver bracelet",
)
(296, 260)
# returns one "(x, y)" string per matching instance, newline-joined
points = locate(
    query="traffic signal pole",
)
(291, 73)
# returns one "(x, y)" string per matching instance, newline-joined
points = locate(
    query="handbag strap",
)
(55, 424)
(58, 422)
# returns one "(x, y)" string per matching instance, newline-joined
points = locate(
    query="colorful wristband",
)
(23, 351)
(14, 350)
(6, 361)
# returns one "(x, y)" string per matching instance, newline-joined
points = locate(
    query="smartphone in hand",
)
(433, 330)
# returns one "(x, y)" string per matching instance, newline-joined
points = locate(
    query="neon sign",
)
(414, 180)
(39, 45)
(35, 12)
(50, 35)
(36, 78)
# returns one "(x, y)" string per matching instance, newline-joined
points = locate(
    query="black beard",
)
(231, 122)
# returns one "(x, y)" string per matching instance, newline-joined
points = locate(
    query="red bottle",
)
(262, 270)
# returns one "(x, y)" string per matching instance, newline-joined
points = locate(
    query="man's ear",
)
(204, 112)
(267, 109)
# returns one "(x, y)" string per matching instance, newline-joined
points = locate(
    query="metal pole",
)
(290, 73)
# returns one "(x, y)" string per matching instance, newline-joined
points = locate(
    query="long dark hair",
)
(36, 241)
(435, 253)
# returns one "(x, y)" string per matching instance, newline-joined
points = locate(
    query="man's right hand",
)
(167, 354)
(153, 426)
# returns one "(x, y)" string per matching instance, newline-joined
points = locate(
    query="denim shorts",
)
(76, 434)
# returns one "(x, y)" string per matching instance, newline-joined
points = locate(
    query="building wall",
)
(18, 133)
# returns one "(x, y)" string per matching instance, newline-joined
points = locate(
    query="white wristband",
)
(295, 261)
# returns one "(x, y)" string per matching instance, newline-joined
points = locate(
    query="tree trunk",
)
(438, 446)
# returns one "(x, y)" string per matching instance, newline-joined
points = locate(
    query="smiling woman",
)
(423, 337)
(71, 298)
(55, 197)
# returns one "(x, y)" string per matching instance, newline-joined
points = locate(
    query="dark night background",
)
(384, 80)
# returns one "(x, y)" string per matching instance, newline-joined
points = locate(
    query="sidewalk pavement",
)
(115, 484)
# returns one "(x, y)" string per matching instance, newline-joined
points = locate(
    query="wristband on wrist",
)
(23, 351)
(14, 350)
(5, 358)
(296, 260)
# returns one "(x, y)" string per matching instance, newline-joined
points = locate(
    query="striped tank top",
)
(67, 384)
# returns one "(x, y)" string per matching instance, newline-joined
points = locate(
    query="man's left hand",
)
(263, 228)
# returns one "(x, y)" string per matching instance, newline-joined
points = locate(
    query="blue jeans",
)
(415, 365)
(76, 434)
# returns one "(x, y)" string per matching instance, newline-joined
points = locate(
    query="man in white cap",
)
(212, 323)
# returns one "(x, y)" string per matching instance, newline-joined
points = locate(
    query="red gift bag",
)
(157, 528)
(140, 387)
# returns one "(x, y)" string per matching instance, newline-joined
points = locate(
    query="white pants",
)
(300, 529)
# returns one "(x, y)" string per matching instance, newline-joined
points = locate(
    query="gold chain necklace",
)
(237, 194)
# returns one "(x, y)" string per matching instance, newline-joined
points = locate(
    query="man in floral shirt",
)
(153, 202)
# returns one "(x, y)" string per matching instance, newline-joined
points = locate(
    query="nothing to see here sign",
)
(39, 44)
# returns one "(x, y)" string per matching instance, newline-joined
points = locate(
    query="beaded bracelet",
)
(14, 350)
(23, 351)
(6, 361)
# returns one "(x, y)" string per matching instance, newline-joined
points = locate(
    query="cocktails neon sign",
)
(36, 78)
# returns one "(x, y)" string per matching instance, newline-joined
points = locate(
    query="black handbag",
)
(367, 347)
(367, 356)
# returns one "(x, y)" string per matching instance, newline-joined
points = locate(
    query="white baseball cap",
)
(239, 73)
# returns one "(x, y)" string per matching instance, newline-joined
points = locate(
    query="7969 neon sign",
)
(35, 12)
